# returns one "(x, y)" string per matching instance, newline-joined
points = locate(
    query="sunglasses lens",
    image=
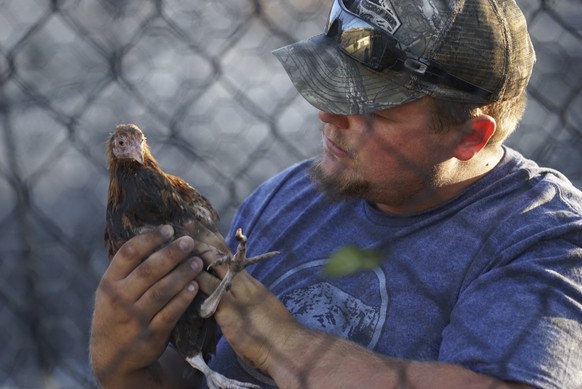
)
(369, 47)
(359, 39)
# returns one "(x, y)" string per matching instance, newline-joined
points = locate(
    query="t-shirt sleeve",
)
(523, 321)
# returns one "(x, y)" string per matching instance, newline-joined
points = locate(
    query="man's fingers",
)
(207, 282)
(158, 265)
(209, 254)
(210, 245)
(165, 320)
(134, 251)
(199, 232)
(167, 288)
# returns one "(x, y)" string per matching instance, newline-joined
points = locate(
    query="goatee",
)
(339, 185)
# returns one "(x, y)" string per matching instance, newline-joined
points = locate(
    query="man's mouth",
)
(333, 148)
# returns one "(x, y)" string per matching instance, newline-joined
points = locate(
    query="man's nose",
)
(338, 121)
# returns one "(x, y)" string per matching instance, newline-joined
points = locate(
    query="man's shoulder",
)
(543, 183)
(289, 180)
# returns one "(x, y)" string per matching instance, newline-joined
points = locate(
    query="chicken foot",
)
(236, 263)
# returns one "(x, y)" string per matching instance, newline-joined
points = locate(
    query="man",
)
(480, 282)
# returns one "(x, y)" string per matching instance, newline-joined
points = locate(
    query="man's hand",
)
(141, 296)
(249, 313)
(252, 319)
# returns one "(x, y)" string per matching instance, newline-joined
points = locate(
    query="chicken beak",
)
(138, 156)
(133, 152)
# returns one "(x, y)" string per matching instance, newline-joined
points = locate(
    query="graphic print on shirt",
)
(321, 305)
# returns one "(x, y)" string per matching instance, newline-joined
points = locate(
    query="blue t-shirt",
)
(490, 280)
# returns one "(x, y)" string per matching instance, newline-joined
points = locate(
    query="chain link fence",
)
(218, 110)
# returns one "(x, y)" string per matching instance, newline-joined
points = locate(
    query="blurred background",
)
(199, 78)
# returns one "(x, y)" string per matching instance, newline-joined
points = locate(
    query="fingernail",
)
(196, 264)
(185, 244)
(192, 287)
(166, 230)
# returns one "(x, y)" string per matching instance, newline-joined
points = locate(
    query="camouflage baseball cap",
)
(483, 43)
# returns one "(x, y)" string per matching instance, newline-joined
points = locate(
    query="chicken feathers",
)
(141, 195)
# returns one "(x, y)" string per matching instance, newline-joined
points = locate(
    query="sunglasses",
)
(379, 50)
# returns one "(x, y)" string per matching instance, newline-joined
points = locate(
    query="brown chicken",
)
(142, 196)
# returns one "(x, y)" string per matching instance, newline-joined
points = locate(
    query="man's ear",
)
(475, 134)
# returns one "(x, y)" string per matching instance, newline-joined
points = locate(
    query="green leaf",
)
(349, 260)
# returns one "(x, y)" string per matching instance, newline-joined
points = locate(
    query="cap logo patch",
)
(381, 13)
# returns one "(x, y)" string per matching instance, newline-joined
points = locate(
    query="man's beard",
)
(344, 184)
(339, 185)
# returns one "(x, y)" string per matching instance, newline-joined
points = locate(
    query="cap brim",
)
(335, 83)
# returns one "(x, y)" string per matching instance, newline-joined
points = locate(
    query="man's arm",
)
(313, 359)
(261, 330)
